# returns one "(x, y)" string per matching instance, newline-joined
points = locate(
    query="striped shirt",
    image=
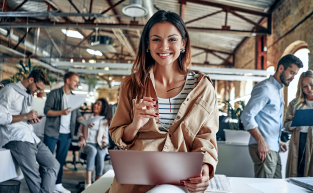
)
(169, 107)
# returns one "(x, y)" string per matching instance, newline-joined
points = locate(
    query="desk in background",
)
(8, 168)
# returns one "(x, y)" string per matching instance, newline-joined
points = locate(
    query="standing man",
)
(17, 133)
(263, 115)
(61, 122)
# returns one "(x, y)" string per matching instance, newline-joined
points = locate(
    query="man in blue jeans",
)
(60, 123)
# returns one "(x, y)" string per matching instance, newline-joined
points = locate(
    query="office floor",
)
(70, 176)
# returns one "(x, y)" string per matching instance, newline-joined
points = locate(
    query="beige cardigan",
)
(193, 130)
(292, 161)
(102, 135)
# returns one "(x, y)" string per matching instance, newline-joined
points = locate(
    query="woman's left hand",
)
(90, 125)
(103, 144)
(199, 184)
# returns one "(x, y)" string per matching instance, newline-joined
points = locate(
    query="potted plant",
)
(236, 133)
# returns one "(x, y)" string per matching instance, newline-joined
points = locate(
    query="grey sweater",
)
(54, 102)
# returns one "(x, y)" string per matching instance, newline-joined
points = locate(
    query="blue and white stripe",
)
(168, 108)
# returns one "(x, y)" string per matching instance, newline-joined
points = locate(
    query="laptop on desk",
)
(154, 168)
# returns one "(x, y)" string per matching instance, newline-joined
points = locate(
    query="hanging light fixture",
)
(135, 9)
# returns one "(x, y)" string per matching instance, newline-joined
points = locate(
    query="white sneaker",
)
(87, 185)
(60, 189)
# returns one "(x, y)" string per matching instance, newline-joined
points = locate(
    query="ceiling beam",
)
(90, 7)
(257, 26)
(211, 50)
(71, 2)
(85, 38)
(119, 26)
(108, 9)
(20, 5)
(22, 39)
(182, 8)
(197, 19)
(228, 7)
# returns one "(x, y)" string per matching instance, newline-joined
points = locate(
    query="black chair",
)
(74, 147)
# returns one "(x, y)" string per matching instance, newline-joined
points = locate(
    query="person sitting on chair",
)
(94, 139)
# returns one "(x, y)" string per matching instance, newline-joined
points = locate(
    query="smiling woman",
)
(164, 106)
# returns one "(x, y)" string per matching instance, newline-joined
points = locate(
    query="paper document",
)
(219, 184)
(284, 187)
(91, 120)
(76, 101)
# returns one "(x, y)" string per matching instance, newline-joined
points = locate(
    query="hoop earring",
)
(182, 51)
(147, 50)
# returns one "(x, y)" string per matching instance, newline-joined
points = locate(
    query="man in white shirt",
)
(17, 133)
(61, 123)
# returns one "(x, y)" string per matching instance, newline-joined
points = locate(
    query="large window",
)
(304, 57)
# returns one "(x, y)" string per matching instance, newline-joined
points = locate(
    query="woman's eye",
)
(173, 40)
(156, 40)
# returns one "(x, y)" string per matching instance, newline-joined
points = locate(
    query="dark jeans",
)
(301, 154)
(26, 154)
(63, 144)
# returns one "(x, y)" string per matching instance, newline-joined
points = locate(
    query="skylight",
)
(93, 52)
(72, 33)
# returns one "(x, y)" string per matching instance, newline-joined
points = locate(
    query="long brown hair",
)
(301, 96)
(138, 80)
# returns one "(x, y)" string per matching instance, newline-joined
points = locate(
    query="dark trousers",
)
(301, 154)
(63, 144)
(26, 154)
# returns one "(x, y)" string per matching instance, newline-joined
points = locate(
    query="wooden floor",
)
(70, 176)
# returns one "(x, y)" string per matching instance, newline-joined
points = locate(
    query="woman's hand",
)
(91, 125)
(143, 112)
(103, 145)
(198, 184)
(82, 142)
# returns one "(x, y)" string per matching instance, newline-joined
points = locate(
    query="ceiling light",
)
(135, 9)
(110, 78)
(83, 61)
(72, 33)
(72, 60)
(93, 52)
(106, 68)
(92, 61)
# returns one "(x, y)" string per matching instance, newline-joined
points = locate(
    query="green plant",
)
(23, 72)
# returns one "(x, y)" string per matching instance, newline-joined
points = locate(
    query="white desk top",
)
(238, 185)
(8, 168)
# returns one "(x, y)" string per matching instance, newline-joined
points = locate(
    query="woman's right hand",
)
(82, 142)
(143, 112)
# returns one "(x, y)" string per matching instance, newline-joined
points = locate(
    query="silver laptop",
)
(153, 167)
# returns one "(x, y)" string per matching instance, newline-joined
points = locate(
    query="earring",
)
(147, 50)
(182, 51)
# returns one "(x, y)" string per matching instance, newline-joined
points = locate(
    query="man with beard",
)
(17, 133)
(61, 123)
(263, 115)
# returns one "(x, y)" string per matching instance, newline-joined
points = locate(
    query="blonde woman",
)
(300, 163)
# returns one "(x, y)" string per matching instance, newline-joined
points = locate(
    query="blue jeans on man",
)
(63, 144)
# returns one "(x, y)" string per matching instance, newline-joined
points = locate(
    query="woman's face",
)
(165, 43)
(97, 107)
(307, 87)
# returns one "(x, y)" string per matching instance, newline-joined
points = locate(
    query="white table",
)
(8, 168)
(234, 160)
(238, 185)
